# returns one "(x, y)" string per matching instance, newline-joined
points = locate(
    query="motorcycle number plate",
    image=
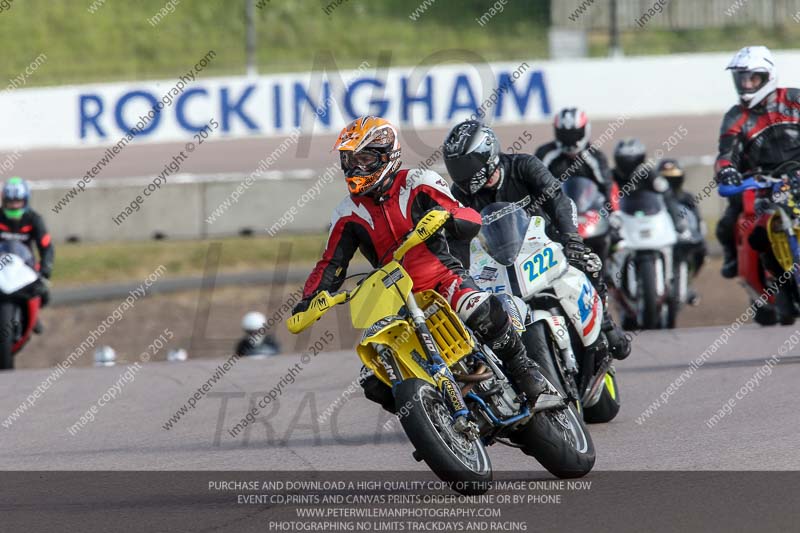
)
(531, 271)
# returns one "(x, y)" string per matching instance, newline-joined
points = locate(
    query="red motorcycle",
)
(766, 237)
(590, 204)
(20, 300)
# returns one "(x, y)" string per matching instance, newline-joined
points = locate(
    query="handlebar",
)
(747, 184)
(759, 179)
(427, 226)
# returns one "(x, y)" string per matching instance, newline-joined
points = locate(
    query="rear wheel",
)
(429, 426)
(680, 292)
(607, 407)
(6, 335)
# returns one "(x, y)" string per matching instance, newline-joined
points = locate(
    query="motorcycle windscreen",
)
(15, 273)
(584, 193)
(503, 231)
(644, 202)
(18, 249)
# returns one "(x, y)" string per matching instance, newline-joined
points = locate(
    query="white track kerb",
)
(88, 343)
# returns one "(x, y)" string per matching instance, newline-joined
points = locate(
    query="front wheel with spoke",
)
(452, 456)
(557, 438)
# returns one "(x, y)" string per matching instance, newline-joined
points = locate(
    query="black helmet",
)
(672, 171)
(628, 154)
(572, 130)
(471, 155)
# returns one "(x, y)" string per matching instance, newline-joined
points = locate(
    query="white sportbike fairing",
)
(540, 268)
(14, 273)
(642, 267)
(513, 257)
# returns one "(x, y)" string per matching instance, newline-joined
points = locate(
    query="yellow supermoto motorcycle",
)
(451, 393)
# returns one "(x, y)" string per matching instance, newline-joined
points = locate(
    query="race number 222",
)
(536, 266)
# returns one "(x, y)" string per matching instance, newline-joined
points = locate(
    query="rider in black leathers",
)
(680, 203)
(482, 175)
(571, 153)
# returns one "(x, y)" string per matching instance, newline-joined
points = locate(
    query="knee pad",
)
(485, 316)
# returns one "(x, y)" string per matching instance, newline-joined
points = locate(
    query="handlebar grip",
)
(318, 307)
(298, 322)
(747, 184)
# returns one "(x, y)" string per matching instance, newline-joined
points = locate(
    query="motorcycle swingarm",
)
(592, 394)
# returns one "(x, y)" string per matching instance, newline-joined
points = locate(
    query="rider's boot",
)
(38, 328)
(730, 265)
(521, 369)
(619, 347)
(376, 390)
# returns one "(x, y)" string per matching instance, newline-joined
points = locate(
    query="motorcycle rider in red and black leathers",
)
(571, 153)
(18, 222)
(761, 132)
(383, 206)
(483, 175)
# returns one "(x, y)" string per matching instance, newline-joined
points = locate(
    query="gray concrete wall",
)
(181, 208)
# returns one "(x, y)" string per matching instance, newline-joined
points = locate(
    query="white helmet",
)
(253, 321)
(105, 356)
(753, 74)
(177, 355)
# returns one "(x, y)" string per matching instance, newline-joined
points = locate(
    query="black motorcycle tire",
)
(6, 335)
(651, 315)
(607, 407)
(410, 398)
(784, 302)
(543, 437)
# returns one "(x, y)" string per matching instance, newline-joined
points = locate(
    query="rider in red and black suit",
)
(377, 225)
(384, 205)
(18, 222)
(761, 132)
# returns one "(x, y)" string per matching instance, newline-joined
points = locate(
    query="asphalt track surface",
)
(127, 433)
(242, 156)
(759, 434)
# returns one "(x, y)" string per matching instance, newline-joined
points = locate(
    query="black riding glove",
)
(302, 305)
(575, 250)
(729, 176)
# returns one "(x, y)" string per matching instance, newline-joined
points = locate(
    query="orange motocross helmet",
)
(369, 152)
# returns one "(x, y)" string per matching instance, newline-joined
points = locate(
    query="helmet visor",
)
(13, 203)
(570, 138)
(749, 81)
(360, 163)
